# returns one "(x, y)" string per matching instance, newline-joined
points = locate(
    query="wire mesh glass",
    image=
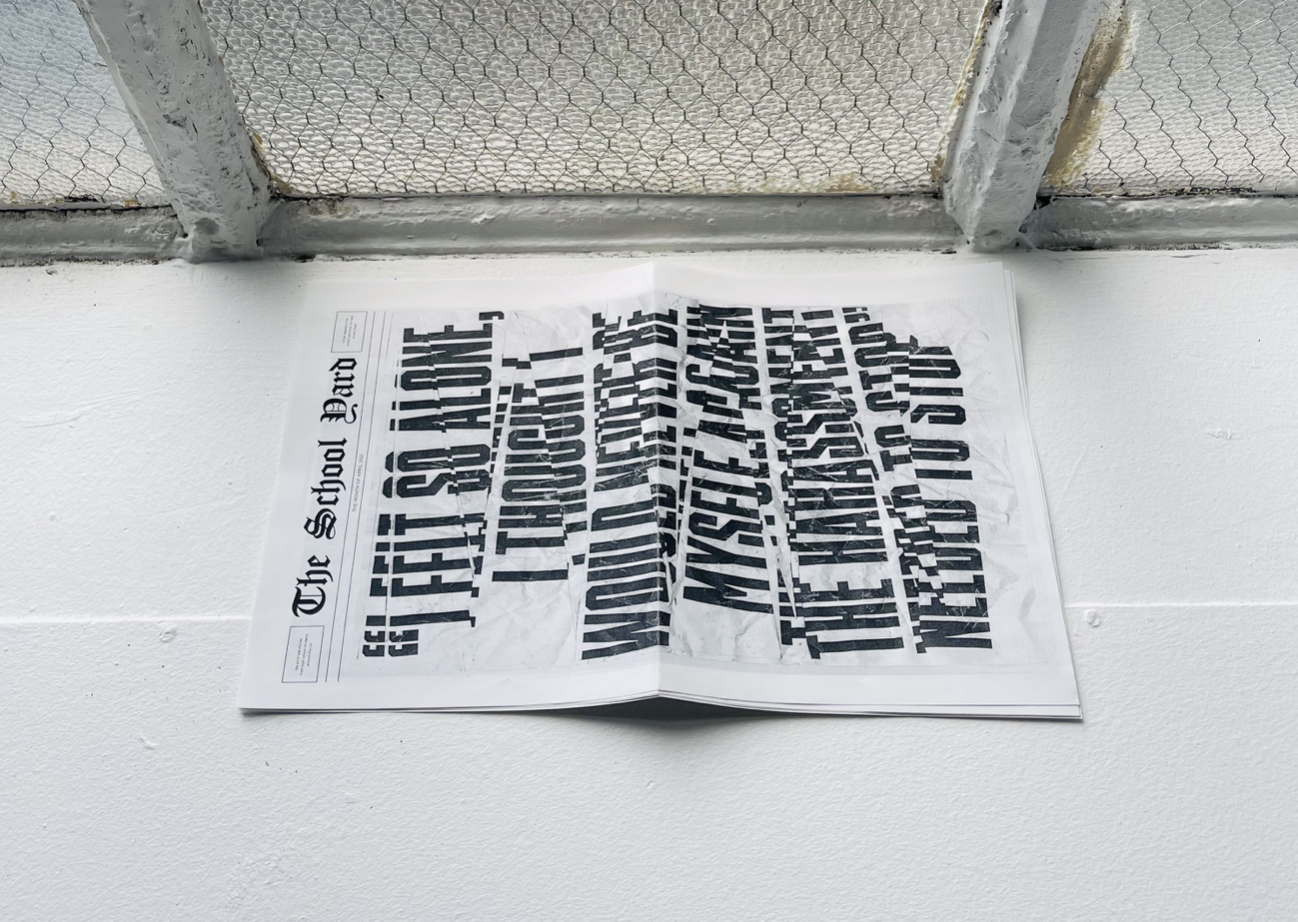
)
(538, 96)
(65, 135)
(1204, 97)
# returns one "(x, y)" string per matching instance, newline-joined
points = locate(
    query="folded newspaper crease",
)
(791, 493)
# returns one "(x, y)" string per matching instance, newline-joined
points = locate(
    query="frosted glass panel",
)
(597, 95)
(64, 132)
(1205, 97)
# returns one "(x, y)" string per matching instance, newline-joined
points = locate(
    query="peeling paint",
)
(165, 65)
(1079, 135)
(259, 150)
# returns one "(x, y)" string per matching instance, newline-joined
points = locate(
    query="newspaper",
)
(789, 493)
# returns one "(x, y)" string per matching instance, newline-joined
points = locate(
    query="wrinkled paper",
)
(793, 493)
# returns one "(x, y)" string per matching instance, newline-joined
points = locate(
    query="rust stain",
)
(1080, 133)
(991, 9)
(835, 184)
(840, 183)
(259, 148)
(848, 182)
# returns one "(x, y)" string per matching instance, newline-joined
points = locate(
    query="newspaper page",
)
(791, 493)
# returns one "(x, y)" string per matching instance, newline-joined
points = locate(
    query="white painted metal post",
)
(164, 63)
(1019, 99)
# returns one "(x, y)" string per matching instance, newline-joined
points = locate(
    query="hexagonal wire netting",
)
(387, 97)
(692, 96)
(1203, 95)
(65, 135)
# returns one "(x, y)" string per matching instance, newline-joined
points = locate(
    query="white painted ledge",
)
(141, 430)
(494, 224)
(471, 224)
(30, 236)
(1162, 223)
(486, 225)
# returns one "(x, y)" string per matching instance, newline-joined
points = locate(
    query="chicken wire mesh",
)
(1192, 95)
(535, 96)
(65, 135)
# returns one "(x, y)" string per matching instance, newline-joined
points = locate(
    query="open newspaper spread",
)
(811, 493)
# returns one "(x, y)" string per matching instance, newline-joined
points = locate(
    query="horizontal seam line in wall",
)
(119, 619)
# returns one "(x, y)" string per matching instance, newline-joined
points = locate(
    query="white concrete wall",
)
(140, 415)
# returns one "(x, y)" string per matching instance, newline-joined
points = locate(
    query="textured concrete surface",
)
(138, 441)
